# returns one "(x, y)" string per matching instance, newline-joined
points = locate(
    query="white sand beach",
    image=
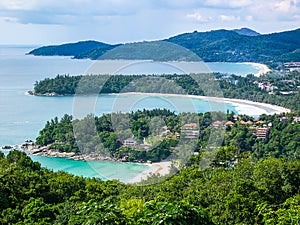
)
(246, 107)
(263, 68)
(160, 168)
(255, 108)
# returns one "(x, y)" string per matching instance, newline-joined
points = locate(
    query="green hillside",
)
(228, 46)
(72, 49)
(212, 46)
(246, 31)
(249, 181)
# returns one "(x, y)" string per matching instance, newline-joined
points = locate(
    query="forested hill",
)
(73, 49)
(246, 31)
(229, 46)
(212, 46)
(249, 181)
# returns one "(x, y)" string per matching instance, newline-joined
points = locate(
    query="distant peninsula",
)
(240, 45)
(273, 90)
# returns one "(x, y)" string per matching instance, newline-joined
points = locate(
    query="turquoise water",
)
(135, 67)
(233, 68)
(103, 170)
(22, 116)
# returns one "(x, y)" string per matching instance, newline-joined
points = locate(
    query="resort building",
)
(165, 131)
(296, 119)
(129, 142)
(236, 117)
(191, 134)
(190, 131)
(229, 123)
(284, 119)
(260, 122)
(189, 126)
(262, 132)
(216, 123)
(249, 122)
(292, 66)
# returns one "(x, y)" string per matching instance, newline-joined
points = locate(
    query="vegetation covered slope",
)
(246, 31)
(264, 191)
(213, 46)
(231, 86)
(73, 49)
(228, 46)
(248, 182)
(283, 139)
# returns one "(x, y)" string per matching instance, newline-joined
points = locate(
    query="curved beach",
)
(263, 68)
(242, 106)
(160, 169)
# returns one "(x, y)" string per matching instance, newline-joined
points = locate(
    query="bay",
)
(22, 115)
(233, 68)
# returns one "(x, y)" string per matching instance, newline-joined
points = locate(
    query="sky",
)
(118, 21)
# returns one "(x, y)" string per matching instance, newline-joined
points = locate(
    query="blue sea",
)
(22, 115)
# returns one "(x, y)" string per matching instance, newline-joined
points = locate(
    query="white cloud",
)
(229, 17)
(198, 17)
(249, 18)
(229, 3)
(132, 20)
(297, 16)
(8, 19)
(52, 8)
(18, 4)
(286, 6)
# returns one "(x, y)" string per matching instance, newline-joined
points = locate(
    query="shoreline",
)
(243, 105)
(159, 168)
(45, 151)
(156, 168)
(263, 68)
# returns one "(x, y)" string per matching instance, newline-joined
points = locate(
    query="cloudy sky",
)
(114, 21)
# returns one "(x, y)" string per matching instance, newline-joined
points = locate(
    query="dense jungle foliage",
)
(264, 191)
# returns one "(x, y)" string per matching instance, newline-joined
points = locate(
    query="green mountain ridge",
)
(246, 31)
(228, 46)
(72, 49)
(212, 46)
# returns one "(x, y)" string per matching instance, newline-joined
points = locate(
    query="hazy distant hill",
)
(73, 49)
(229, 46)
(246, 31)
(213, 46)
(154, 50)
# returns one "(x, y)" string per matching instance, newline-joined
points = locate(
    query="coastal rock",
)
(35, 151)
(31, 92)
(45, 94)
(7, 147)
(29, 145)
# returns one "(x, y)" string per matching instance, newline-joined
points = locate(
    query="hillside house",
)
(262, 132)
(216, 123)
(129, 142)
(190, 131)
